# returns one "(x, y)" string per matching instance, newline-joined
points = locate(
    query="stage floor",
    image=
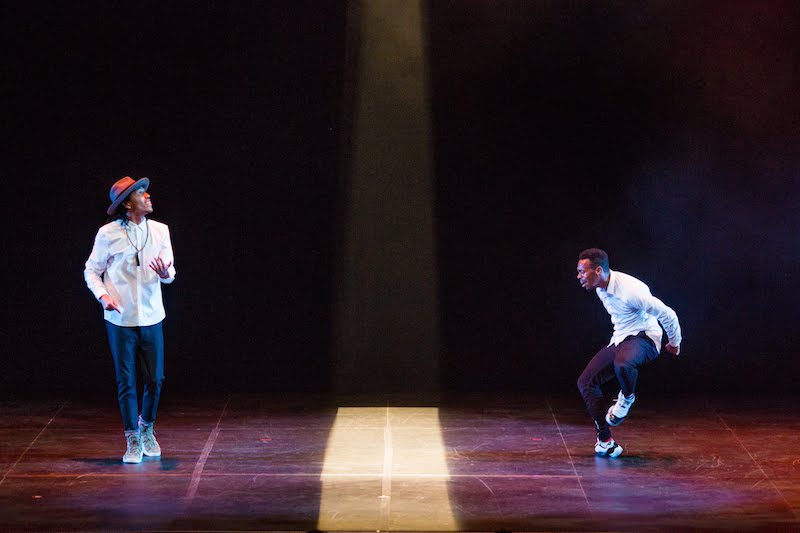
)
(470, 463)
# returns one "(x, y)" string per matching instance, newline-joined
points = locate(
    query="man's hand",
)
(109, 304)
(159, 267)
(674, 350)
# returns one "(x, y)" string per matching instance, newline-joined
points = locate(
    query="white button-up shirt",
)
(633, 309)
(112, 269)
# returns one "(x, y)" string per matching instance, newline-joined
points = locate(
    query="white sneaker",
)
(150, 445)
(608, 448)
(619, 410)
(134, 452)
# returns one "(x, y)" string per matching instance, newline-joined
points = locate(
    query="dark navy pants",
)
(621, 362)
(143, 347)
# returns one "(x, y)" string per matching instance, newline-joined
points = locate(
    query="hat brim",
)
(143, 183)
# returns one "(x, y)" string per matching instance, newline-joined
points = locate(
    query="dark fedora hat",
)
(122, 188)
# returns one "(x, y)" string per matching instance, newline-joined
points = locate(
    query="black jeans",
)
(623, 362)
(146, 345)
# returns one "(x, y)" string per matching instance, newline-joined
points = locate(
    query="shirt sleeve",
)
(167, 256)
(96, 266)
(665, 315)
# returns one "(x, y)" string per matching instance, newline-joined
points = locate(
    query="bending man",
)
(636, 341)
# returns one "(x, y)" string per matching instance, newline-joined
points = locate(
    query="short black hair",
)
(596, 257)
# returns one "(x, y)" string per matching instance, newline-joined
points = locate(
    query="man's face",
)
(588, 277)
(139, 203)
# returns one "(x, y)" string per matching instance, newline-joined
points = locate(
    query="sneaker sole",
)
(152, 454)
(614, 453)
(613, 420)
(131, 462)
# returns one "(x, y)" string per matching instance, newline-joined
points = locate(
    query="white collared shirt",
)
(111, 269)
(633, 309)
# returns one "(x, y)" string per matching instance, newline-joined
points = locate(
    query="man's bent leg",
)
(600, 370)
(631, 354)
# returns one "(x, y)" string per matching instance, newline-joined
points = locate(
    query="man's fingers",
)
(158, 266)
(159, 263)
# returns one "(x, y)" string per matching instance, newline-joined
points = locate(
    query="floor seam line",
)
(386, 477)
(26, 450)
(569, 455)
(201, 461)
(295, 474)
(758, 465)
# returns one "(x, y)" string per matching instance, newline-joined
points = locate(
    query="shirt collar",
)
(612, 283)
(141, 226)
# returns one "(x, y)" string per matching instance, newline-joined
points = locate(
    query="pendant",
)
(137, 260)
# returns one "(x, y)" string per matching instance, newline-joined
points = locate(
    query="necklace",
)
(138, 250)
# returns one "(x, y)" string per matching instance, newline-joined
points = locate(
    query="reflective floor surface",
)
(470, 463)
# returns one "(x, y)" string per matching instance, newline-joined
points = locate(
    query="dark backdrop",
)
(665, 132)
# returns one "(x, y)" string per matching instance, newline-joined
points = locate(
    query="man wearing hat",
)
(131, 258)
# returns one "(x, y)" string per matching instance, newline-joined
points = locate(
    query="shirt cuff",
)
(100, 293)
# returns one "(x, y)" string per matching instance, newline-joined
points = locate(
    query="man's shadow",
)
(167, 463)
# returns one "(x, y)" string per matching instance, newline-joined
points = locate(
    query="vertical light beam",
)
(386, 311)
